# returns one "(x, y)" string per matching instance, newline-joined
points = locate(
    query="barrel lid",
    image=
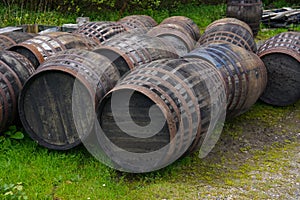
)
(56, 108)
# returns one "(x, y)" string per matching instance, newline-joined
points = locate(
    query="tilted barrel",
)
(129, 50)
(39, 48)
(244, 73)
(57, 103)
(281, 55)
(14, 71)
(231, 31)
(12, 38)
(101, 31)
(185, 23)
(178, 37)
(138, 23)
(157, 113)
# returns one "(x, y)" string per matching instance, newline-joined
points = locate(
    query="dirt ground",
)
(257, 157)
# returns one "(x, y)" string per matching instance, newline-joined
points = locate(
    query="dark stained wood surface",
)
(57, 104)
(179, 88)
(14, 71)
(283, 86)
(12, 38)
(281, 55)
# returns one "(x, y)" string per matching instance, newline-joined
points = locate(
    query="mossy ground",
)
(257, 157)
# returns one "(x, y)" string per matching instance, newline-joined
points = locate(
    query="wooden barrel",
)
(138, 23)
(43, 46)
(57, 103)
(12, 38)
(173, 33)
(244, 74)
(232, 21)
(101, 31)
(14, 71)
(186, 23)
(281, 55)
(127, 51)
(173, 93)
(249, 11)
(231, 33)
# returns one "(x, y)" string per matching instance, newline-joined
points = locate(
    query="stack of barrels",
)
(139, 95)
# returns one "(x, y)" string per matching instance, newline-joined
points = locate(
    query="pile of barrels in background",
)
(167, 65)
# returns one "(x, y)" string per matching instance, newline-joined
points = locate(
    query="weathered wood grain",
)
(57, 104)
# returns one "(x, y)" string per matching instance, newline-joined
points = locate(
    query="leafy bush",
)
(84, 7)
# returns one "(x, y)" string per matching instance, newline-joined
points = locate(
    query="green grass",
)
(202, 15)
(75, 174)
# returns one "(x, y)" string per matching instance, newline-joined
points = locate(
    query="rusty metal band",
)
(158, 101)
(198, 109)
(185, 26)
(64, 67)
(19, 84)
(13, 73)
(131, 52)
(188, 90)
(170, 100)
(22, 59)
(232, 21)
(245, 70)
(86, 41)
(144, 47)
(202, 132)
(12, 97)
(81, 64)
(226, 34)
(32, 49)
(136, 51)
(119, 52)
(72, 73)
(153, 97)
(225, 68)
(43, 41)
(56, 39)
(234, 64)
(279, 41)
(178, 34)
(8, 38)
(3, 108)
(140, 50)
(218, 76)
(164, 92)
(280, 50)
